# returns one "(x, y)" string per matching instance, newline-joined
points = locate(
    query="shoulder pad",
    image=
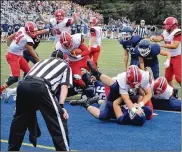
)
(155, 49)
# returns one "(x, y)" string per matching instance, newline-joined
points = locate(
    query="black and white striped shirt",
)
(53, 70)
(141, 31)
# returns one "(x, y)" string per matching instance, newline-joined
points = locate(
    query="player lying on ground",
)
(148, 56)
(164, 96)
(137, 113)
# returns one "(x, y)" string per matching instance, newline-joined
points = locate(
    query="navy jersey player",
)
(36, 40)
(148, 53)
(129, 43)
(137, 113)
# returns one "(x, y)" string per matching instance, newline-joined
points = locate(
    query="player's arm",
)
(93, 38)
(117, 107)
(29, 48)
(157, 38)
(75, 17)
(125, 59)
(146, 97)
(46, 21)
(165, 53)
(174, 45)
(44, 31)
(141, 62)
(10, 39)
(84, 49)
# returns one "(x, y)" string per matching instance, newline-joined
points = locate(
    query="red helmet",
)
(94, 21)
(31, 29)
(133, 76)
(160, 85)
(170, 23)
(59, 15)
(66, 40)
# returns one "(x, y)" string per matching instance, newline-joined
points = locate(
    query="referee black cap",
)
(57, 54)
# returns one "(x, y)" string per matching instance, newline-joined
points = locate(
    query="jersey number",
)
(18, 37)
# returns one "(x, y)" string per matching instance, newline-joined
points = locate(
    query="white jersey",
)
(17, 46)
(98, 32)
(59, 27)
(169, 39)
(124, 87)
(165, 95)
(76, 42)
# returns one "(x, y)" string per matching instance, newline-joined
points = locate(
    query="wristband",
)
(141, 103)
(78, 56)
(62, 106)
(134, 109)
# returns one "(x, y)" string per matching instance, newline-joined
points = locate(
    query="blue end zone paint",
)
(88, 133)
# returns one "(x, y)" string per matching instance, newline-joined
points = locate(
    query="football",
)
(76, 52)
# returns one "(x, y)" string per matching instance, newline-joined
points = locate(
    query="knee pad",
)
(12, 80)
(124, 119)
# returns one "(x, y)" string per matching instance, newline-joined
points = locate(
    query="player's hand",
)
(65, 114)
(167, 63)
(152, 38)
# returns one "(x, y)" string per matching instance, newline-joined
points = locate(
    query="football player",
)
(172, 38)
(135, 113)
(19, 42)
(147, 53)
(67, 44)
(129, 42)
(164, 96)
(60, 23)
(95, 39)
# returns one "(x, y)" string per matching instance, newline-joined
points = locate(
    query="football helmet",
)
(126, 33)
(133, 76)
(94, 21)
(40, 24)
(144, 47)
(160, 85)
(59, 15)
(31, 29)
(66, 40)
(170, 23)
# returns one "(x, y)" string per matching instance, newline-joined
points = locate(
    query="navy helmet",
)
(126, 33)
(144, 47)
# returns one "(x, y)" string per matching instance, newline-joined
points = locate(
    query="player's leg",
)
(177, 68)
(155, 70)
(96, 53)
(13, 61)
(104, 78)
(24, 65)
(169, 75)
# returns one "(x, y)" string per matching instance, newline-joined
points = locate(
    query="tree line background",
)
(152, 11)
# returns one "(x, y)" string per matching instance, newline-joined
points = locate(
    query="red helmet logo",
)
(66, 40)
(160, 85)
(31, 29)
(170, 23)
(59, 15)
(133, 76)
(94, 21)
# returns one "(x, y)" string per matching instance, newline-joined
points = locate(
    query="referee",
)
(141, 30)
(36, 92)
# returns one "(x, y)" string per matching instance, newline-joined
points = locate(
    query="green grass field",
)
(110, 61)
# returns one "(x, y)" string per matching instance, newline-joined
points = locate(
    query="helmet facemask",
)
(126, 36)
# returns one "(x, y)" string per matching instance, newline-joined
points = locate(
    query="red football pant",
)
(16, 63)
(94, 54)
(174, 69)
(76, 69)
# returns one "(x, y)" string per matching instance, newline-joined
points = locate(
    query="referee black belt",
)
(40, 79)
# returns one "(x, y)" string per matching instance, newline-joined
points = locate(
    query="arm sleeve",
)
(67, 77)
(177, 37)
